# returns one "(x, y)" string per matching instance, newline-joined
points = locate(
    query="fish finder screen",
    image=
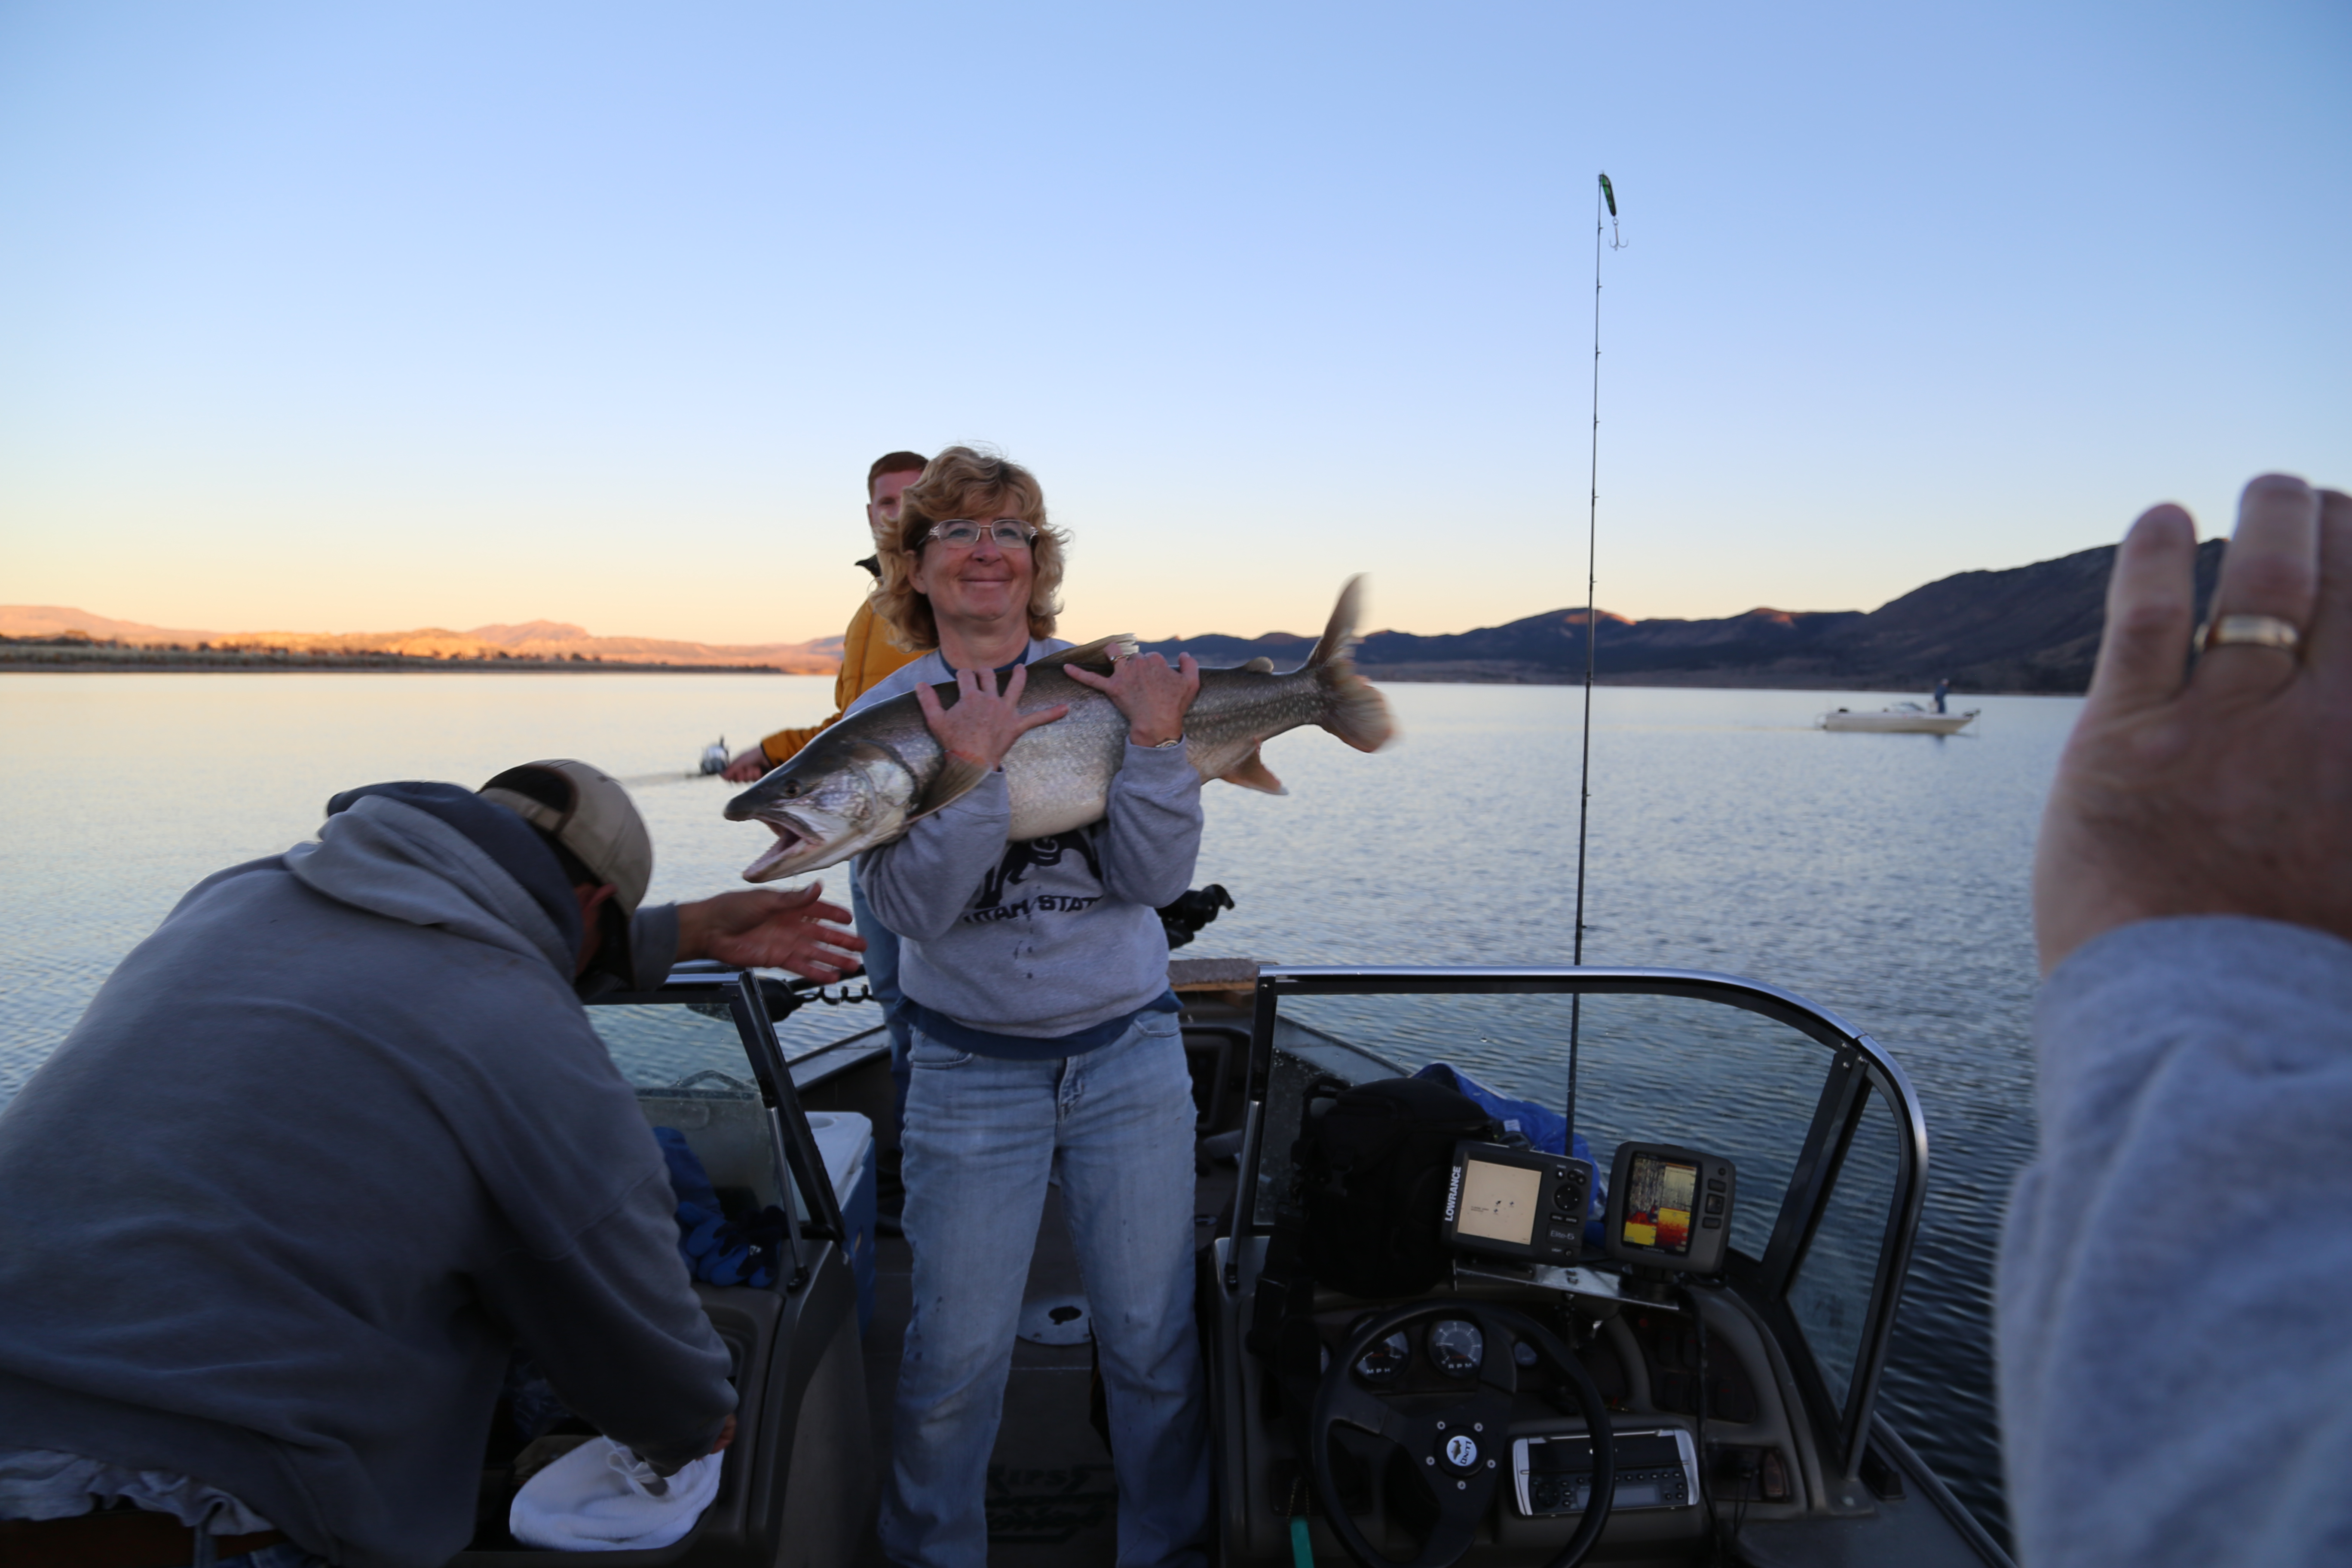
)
(1499, 1203)
(1659, 1196)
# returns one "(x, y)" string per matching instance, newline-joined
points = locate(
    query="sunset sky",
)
(363, 317)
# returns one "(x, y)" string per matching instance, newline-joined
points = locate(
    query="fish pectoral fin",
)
(956, 779)
(1103, 652)
(1250, 772)
(1261, 665)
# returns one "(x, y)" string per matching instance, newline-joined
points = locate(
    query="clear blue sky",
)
(361, 317)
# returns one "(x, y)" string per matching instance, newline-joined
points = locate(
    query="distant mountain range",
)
(530, 640)
(2029, 630)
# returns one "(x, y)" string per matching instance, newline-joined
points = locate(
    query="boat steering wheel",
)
(1459, 1442)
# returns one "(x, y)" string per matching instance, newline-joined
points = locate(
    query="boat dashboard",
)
(1705, 1266)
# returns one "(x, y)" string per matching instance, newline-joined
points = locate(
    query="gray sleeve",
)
(653, 944)
(1153, 838)
(2178, 1256)
(616, 1326)
(918, 885)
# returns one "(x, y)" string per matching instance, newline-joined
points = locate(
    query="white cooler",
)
(846, 1139)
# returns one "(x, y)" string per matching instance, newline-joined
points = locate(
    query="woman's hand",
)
(982, 726)
(1154, 698)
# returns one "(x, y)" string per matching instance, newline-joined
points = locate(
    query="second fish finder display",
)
(1659, 1197)
(1670, 1207)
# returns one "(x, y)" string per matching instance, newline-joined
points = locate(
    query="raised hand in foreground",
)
(771, 930)
(2224, 788)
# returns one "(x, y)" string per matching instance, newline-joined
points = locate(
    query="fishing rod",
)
(1606, 195)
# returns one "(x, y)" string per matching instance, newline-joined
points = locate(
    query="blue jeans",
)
(881, 958)
(982, 1135)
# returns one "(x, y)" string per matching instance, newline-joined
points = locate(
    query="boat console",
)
(1729, 1347)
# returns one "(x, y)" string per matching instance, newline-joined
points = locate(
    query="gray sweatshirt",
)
(1048, 938)
(2176, 1278)
(322, 1148)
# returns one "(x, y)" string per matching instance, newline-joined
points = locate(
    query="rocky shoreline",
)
(80, 657)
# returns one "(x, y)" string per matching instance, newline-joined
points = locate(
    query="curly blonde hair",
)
(961, 482)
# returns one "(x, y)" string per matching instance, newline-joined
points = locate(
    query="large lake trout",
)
(864, 781)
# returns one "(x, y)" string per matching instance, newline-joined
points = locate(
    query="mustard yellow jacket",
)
(868, 655)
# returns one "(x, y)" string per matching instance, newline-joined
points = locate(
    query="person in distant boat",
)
(868, 654)
(2177, 1266)
(323, 1149)
(1046, 1041)
(1943, 689)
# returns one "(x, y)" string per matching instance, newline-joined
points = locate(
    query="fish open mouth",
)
(774, 861)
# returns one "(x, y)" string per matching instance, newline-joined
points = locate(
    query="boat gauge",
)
(1524, 1354)
(1456, 1346)
(1386, 1361)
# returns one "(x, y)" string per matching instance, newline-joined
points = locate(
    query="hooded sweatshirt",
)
(1048, 948)
(323, 1147)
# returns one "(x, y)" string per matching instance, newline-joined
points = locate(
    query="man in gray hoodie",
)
(326, 1146)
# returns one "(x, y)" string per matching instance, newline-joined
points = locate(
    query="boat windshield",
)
(1822, 1130)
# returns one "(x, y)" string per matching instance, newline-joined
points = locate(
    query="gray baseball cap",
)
(584, 809)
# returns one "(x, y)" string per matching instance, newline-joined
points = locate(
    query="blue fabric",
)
(717, 1250)
(1539, 1125)
(982, 1137)
(285, 1555)
(498, 833)
(1021, 1048)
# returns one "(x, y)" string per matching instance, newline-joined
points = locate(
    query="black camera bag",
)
(1372, 1164)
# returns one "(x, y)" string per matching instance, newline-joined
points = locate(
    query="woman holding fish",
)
(1019, 809)
(1045, 1035)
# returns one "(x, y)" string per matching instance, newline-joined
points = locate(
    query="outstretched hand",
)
(765, 929)
(1154, 697)
(2224, 789)
(981, 726)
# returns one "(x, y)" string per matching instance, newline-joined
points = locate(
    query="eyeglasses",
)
(963, 533)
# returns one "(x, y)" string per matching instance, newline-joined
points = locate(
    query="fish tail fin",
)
(1250, 772)
(1352, 709)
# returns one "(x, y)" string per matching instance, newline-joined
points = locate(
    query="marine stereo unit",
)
(1655, 1468)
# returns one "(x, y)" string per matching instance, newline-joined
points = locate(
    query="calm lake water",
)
(1883, 876)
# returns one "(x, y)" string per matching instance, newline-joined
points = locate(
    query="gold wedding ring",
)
(2253, 631)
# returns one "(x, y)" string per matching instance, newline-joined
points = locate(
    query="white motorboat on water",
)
(1898, 719)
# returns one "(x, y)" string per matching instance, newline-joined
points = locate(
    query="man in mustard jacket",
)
(866, 652)
(868, 655)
